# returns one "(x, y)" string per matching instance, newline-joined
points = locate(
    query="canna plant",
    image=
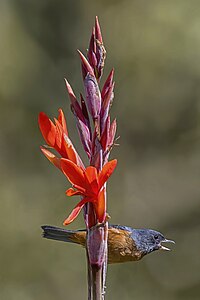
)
(97, 135)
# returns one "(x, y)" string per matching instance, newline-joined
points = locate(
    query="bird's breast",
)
(121, 247)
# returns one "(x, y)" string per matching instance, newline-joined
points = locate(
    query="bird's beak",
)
(166, 241)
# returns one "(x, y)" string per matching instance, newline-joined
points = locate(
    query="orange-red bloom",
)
(88, 183)
(56, 136)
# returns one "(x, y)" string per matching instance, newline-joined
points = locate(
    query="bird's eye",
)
(155, 237)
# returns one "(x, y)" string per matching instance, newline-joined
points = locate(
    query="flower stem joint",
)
(96, 245)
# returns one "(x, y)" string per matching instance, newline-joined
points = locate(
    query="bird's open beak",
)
(166, 241)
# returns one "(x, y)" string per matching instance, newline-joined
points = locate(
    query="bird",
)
(125, 244)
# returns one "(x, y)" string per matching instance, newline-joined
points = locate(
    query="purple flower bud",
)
(100, 50)
(93, 95)
(110, 140)
(86, 67)
(85, 137)
(92, 46)
(74, 102)
(112, 132)
(105, 135)
(92, 50)
(98, 34)
(84, 110)
(96, 52)
(108, 83)
(100, 57)
(107, 101)
(93, 60)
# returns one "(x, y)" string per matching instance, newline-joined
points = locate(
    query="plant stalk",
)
(96, 282)
(89, 278)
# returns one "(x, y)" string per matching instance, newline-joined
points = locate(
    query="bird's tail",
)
(59, 234)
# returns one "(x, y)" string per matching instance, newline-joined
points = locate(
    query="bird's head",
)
(148, 240)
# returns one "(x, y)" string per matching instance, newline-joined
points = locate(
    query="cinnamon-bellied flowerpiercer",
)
(124, 243)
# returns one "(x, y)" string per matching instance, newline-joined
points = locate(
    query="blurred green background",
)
(155, 49)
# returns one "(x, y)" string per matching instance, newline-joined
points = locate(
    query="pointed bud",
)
(112, 132)
(93, 60)
(98, 34)
(110, 140)
(92, 50)
(105, 135)
(84, 134)
(108, 83)
(74, 102)
(86, 67)
(92, 46)
(107, 101)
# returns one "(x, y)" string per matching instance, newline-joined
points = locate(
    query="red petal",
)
(62, 121)
(75, 211)
(51, 157)
(71, 192)
(47, 129)
(92, 178)
(63, 144)
(59, 135)
(107, 171)
(74, 173)
(71, 152)
(100, 206)
(81, 189)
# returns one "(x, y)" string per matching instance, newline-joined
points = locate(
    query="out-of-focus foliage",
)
(155, 49)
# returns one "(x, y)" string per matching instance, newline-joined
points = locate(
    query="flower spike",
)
(97, 138)
(97, 135)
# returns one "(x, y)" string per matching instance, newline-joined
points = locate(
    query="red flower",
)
(56, 136)
(88, 183)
